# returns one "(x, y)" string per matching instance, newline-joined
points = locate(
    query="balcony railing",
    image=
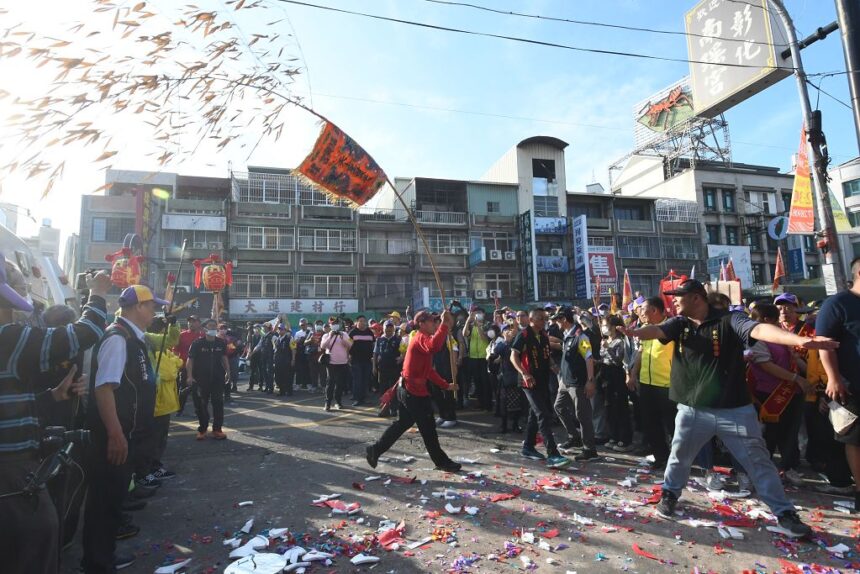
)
(383, 215)
(388, 246)
(441, 217)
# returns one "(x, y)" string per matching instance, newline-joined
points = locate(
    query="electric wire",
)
(515, 38)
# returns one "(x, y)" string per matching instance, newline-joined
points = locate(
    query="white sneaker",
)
(793, 477)
(713, 481)
(439, 421)
(448, 424)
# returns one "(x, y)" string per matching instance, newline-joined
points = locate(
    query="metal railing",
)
(442, 217)
(383, 214)
(388, 246)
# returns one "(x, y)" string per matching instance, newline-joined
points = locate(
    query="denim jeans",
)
(740, 432)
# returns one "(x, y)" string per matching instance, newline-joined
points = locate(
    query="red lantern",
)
(125, 268)
(216, 275)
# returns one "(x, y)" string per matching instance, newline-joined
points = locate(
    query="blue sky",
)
(586, 98)
(349, 56)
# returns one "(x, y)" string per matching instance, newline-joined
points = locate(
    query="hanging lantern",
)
(125, 268)
(215, 276)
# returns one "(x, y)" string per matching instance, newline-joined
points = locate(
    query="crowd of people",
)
(684, 377)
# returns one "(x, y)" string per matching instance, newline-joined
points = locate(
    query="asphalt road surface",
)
(282, 453)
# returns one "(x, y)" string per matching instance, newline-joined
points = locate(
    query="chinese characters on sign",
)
(601, 263)
(270, 307)
(581, 272)
(530, 289)
(733, 53)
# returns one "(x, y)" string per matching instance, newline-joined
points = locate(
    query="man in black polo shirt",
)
(708, 383)
(209, 370)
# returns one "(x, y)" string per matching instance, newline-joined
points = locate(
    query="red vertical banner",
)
(627, 292)
(778, 270)
(801, 214)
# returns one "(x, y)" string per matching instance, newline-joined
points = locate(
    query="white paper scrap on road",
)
(453, 509)
(840, 549)
(324, 497)
(248, 526)
(471, 510)
(246, 503)
(251, 547)
(528, 537)
(464, 460)
(316, 556)
(297, 567)
(173, 568)
(268, 563)
(419, 543)
(360, 559)
(371, 478)
(783, 531)
(294, 554)
(582, 519)
(278, 532)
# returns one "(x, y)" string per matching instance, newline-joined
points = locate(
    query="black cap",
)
(688, 286)
(564, 313)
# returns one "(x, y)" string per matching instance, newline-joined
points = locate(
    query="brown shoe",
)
(218, 435)
(201, 436)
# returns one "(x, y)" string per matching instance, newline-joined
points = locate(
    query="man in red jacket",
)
(413, 393)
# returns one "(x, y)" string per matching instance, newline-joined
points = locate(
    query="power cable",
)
(597, 24)
(829, 95)
(515, 38)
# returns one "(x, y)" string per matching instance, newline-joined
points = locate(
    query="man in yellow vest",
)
(475, 334)
(650, 376)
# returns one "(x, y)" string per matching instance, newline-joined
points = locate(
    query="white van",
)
(42, 273)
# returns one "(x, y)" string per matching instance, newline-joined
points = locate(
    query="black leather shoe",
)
(372, 457)
(450, 466)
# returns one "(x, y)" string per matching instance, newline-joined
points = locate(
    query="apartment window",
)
(327, 286)
(590, 210)
(786, 200)
(851, 188)
(731, 235)
(543, 169)
(261, 286)
(494, 282)
(645, 283)
(728, 201)
(629, 212)
(111, 229)
(387, 286)
(493, 207)
(638, 247)
(546, 245)
(754, 240)
(601, 241)
(197, 239)
(685, 248)
(388, 243)
(710, 196)
(854, 218)
(337, 240)
(809, 243)
(713, 234)
(259, 237)
(546, 206)
(813, 271)
(449, 243)
(765, 202)
(758, 273)
(552, 285)
(493, 240)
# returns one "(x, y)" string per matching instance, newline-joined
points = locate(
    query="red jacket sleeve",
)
(433, 344)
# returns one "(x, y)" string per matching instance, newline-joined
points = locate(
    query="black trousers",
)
(284, 377)
(303, 373)
(444, 401)
(784, 434)
(210, 391)
(29, 528)
(658, 420)
(184, 391)
(541, 415)
(336, 383)
(152, 447)
(267, 369)
(480, 377)
(413, 410)
(620, 426)
(255, 371)
(108, 486)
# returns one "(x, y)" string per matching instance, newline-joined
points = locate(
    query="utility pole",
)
(848, 16)
(833, 267)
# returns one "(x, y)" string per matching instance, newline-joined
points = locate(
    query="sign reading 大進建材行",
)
(243, 307)
(735, 52)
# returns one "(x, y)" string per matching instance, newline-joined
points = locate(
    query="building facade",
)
(737, 204)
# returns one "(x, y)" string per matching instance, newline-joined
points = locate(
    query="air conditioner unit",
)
(495, 255)
(461, 292)
(510, 256)
(461, 280)
(198, 245)
(449, 250)
(462, 250)
(556, 252)
(496, 294)
(480, 293)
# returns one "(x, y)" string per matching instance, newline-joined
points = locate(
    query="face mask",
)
(491, 334)
(605, 330)
(211, 333)
(335, 327)
(318, 328)
(479, 317)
